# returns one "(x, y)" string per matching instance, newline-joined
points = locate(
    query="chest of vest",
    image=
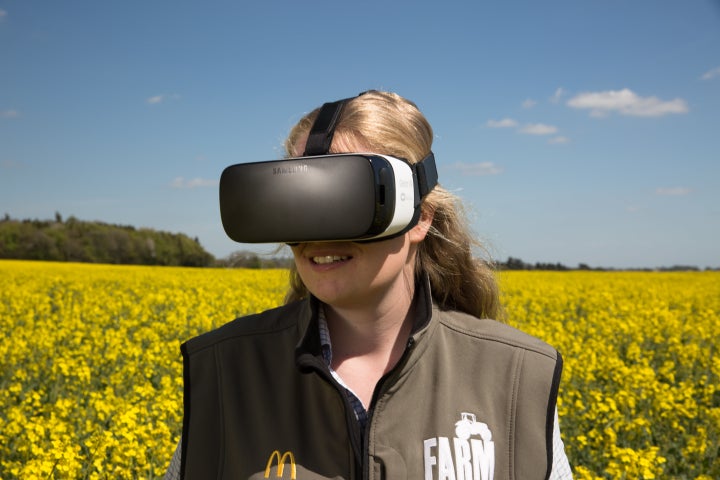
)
(470, 400)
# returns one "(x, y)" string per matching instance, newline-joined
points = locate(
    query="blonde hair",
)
(389, 124)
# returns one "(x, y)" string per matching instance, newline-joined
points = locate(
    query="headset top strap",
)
(322, 131)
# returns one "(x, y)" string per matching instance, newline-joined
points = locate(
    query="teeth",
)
(329, 259)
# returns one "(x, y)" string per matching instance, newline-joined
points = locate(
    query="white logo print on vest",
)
(468, 458)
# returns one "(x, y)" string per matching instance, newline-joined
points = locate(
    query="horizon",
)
(573, 132)
(286, 254)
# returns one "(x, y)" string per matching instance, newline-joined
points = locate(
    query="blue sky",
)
(575, 131)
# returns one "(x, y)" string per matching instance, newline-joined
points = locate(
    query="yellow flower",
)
(92, 379)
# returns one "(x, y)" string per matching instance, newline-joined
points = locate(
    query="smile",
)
(327, 259)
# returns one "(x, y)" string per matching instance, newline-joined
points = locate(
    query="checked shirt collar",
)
(360, 411)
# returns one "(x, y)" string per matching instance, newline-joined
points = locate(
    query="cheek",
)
(296, 251)
(391, 261)
(297, 257)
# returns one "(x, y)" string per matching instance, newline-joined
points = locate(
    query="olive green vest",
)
(470, 400)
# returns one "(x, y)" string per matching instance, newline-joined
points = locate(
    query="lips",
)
(329, 259)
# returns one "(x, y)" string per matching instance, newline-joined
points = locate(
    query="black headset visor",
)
(322, 198)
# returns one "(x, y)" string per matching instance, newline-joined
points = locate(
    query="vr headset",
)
(321, 197)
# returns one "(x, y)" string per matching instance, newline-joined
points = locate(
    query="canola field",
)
(91, 372)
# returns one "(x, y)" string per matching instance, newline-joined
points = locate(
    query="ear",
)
(418, 232)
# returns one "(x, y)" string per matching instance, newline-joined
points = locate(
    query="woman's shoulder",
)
(485, 329)
(280, 320)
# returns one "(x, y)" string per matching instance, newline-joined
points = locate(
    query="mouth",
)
(329, 259)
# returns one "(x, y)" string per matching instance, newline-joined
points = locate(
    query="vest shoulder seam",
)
(270, 322)
(503, 335)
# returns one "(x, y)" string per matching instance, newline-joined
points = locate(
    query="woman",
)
(379, 365)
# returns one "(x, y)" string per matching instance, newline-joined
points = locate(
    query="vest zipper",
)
(379, 390)
(353, 425)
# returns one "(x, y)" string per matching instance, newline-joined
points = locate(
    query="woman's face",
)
(350, 274)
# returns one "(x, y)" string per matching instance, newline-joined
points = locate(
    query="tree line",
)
(513, 263)
(74, 240)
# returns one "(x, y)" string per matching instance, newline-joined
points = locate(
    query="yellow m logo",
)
(281, 464)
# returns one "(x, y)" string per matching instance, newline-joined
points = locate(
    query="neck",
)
(369, 340)
(374, 334)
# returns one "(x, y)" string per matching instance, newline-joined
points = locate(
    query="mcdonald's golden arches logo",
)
(281, 464)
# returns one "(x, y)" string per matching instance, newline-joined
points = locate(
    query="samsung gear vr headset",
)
(321, 197)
